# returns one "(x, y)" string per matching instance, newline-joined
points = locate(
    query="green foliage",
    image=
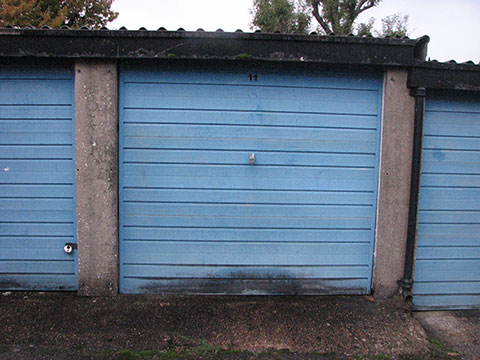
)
(394, 25)
(243, 56)
(31, 12)
(439, 345)
(333, 16)
(338, 16)
(192, 350)
(285, 16)
(375, 357)
(364, 29)
(54, 13)
(203, 348)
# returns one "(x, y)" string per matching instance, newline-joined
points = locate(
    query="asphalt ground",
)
(66, 326)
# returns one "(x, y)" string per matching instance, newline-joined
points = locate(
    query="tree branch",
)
(316, 14)
(359, 9)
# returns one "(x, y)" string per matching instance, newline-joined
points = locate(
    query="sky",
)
(452, 25)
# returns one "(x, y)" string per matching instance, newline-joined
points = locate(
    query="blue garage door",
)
(248, 182)
(37, 179)
(447, 270)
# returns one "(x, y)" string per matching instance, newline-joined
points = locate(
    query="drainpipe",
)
(406, 283)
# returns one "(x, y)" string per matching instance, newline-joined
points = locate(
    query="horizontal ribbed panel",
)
(37, 179)
(447, 270)
(196, 217)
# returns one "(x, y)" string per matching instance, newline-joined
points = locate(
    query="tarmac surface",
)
(66, 326)
(459, 330)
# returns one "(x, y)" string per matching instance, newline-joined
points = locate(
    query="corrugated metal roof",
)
(200, 30)
(123, 28)
(450, 64)
(163, 29)
(445, 75)
(142, 43)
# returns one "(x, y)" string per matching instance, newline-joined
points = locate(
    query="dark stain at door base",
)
(247, 283)
(10, 284)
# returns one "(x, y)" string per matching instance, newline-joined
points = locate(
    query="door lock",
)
(69, 247)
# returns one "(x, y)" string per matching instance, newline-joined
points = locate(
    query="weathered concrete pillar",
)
(96, 176)
(394, 187)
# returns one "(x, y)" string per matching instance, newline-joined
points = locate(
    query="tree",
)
(364, 29)
(29, 12)
(333, 16)
(285, 16)
(54, 13)
(394, 25)
(338, 16)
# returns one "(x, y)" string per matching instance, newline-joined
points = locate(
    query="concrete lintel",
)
(394, 183)
(96, 176)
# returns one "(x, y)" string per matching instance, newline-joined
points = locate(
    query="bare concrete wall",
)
(96, 176)
(394, 187)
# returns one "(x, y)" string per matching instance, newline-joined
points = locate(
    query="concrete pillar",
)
(394, 186)
(96, 176)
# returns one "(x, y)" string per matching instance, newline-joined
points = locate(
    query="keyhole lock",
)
(251, 158)
(69, 247)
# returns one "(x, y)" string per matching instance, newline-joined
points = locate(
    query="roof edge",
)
(163, 33)
(446, 76)
(128, 44)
